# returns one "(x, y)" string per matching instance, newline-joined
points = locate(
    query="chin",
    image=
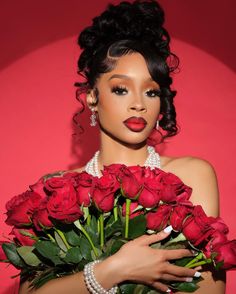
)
(128, 137)
(135, 140)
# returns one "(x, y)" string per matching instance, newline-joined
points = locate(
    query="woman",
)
(127, 63)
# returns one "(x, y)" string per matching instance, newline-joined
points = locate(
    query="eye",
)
(153, 93)
(118, 90)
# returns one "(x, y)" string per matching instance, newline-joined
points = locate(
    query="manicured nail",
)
(168, 229)
(189, 279)
(197, 275)
(168, 291)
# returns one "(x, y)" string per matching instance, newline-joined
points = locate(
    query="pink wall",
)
(37, 71)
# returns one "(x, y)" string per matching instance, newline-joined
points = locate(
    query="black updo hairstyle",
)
(124, 29)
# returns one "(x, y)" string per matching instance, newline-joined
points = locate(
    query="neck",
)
(112, 151)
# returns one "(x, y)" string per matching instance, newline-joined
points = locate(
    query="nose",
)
(138, 105)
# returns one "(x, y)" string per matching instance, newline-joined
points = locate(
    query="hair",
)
(124, 29)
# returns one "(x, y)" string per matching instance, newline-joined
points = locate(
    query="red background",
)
(37, 71)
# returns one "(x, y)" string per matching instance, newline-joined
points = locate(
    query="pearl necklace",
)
(152, 161)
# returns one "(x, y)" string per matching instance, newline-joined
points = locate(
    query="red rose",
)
(159, 219)
(219, 225)
(133, 206)
(39, 188)
(2, 253)
(150, 194)
(62, 204)
(114, 169)
(217, 238)
(131, 181)
(40, 217)
(103, 192)
(56, 183)
(178, 215)
(73, 176)
(196, 228)
(24, 237)
(173, 189)
(226, 252)
(21, 207)
(84, 181)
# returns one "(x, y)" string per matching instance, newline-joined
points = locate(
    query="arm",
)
(135, 261)
(203, 180)
(106, 275)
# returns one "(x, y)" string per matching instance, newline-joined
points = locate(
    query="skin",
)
(121, 145)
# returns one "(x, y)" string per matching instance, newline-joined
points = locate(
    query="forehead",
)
(131, 65)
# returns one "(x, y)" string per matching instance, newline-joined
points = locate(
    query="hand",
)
(137, 261)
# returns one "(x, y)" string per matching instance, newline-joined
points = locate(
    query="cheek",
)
(154, 110)
(110, 107)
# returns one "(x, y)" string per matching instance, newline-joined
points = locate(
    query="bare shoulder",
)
(77, 170)
(200, 175)
(188, 166)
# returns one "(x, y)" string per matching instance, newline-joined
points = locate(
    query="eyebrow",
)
(119, 76)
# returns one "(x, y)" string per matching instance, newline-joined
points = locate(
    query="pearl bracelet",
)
(92, 284)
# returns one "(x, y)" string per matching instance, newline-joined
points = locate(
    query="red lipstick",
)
(135, 124)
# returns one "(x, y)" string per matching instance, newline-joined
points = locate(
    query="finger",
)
(168, 277)
(198, 268)
(177, 253)
(149, 239)
(181, 271)
(162, 287)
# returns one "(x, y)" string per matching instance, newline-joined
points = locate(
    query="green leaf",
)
(137, 226)
(180, 238)
(116, 246)
(219, 265)
(49, 250)
(60, 242)
(93, 224)
(72, 238)
(183, 261)
(186, 286)
(156, 245)
(12, 254)
(73, 255)
(112, 228)
(127, 288)
(43, 278)
(29, 257)
(92, 232)
(85, 248)
(99, 253)
(139, 289)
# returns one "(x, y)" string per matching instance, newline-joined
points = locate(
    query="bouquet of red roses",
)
(67, 220)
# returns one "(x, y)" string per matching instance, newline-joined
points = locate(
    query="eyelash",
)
(119, 90)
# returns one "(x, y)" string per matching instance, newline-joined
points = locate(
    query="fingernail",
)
(197, 275)
(168, 229)
(189, 279)
(168, 291)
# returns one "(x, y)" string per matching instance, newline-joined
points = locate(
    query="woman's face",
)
(128, 101)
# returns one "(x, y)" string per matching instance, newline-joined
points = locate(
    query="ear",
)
(91, 100)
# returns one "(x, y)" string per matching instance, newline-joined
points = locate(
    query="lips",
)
(135, 124)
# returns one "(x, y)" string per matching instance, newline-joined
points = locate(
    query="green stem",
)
(200, 263)
(196, 259)
(60, 233)
(115, 212)
(127, 212)
(51, 238)
(101, 221)
(88, 219)
(98, 227)
(81, 228)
